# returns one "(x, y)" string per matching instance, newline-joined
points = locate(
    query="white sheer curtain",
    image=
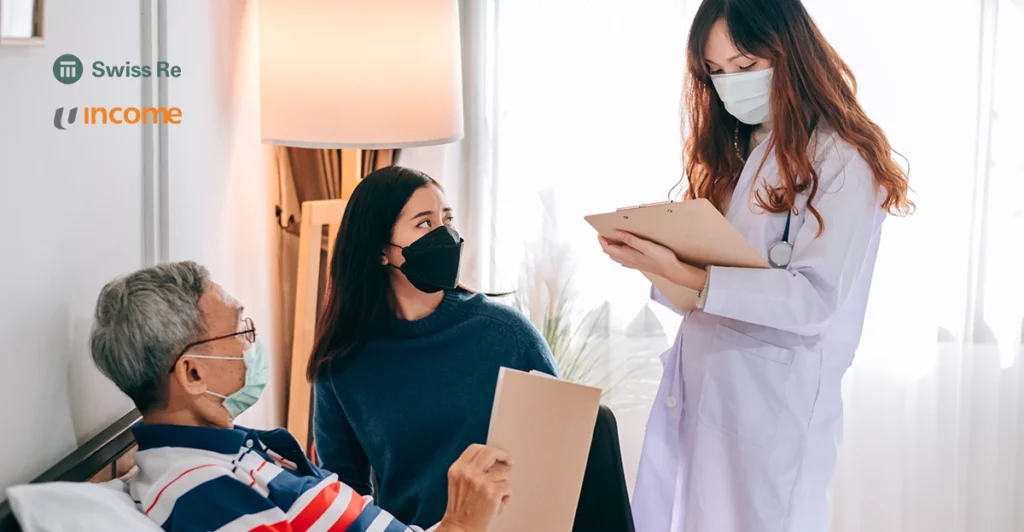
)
(588, 98)
(935, 396)
(586, 118)
(466, 168)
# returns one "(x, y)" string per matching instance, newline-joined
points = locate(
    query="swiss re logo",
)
(67, 69)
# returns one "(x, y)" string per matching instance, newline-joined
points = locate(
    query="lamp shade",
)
(368, 74)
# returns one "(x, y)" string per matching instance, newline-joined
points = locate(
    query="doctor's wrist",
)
(687, 276)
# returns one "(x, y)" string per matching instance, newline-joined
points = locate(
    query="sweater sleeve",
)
(337, 447)
(374, 518)
(226, 504)
(209, 497)
(533, 348)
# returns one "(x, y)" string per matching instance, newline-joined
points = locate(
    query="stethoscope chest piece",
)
(781, 252)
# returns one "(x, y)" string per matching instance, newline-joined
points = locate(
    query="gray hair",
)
(142, 321)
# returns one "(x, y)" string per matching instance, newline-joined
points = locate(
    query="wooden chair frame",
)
(315, 215)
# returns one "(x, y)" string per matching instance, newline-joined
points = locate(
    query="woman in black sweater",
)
(406, 362)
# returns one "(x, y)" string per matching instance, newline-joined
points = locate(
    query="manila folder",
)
(546, 425)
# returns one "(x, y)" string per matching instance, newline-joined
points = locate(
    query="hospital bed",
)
(603, 504)
(106, 457)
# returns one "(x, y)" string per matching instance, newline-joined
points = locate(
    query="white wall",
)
(71, 209)
(71, 218)
(435, 161)
(222, 193)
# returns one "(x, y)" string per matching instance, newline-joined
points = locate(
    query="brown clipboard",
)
(546, 425)
(693, 229)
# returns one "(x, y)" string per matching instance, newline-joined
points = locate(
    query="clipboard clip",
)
(645, 205)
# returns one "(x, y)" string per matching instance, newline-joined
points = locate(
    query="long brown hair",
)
(357, 301)
(356, 304)
(810, 84)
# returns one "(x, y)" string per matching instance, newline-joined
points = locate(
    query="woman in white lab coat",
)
(745, 430)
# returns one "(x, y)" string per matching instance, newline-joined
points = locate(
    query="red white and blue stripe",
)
(243, 480)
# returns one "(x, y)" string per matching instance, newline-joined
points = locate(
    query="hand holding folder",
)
(694, 230)
(546, 425)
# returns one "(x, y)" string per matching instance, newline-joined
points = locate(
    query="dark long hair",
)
(357, 300)
(811, 83)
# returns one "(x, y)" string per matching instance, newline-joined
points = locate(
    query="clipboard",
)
(547, 426)
(693, 229)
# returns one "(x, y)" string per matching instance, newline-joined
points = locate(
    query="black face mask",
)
(432, 262)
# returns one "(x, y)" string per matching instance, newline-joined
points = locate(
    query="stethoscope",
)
(781, 252)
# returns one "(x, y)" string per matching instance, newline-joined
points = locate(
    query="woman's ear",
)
(387, 252)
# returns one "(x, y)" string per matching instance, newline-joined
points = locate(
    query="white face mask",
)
(746, 95)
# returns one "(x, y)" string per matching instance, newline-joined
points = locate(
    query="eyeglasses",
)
(248, 330)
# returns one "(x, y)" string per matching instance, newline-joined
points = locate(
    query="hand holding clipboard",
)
(693, 230)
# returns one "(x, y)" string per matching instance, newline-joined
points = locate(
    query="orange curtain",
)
(315, 174)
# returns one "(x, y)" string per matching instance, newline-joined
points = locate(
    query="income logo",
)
(59, 116)
(117, 116)
(68, 69)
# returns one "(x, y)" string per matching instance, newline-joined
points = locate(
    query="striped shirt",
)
(228, 480)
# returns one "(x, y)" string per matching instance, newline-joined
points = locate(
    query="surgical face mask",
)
(746, 95)
(256, 371)
(432, 262)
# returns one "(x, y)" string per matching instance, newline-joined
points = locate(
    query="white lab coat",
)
(745, 430)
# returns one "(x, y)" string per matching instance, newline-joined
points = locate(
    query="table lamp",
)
(352, 75)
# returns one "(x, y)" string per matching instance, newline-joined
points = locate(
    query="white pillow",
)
(76, 507)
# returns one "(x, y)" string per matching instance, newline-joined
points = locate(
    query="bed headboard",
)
(107, 456)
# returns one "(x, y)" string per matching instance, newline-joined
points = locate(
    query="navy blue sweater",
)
(408, 404)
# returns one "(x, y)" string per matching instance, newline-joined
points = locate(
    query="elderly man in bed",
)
(185, 353)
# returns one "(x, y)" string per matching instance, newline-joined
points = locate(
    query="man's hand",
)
(478, 487)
